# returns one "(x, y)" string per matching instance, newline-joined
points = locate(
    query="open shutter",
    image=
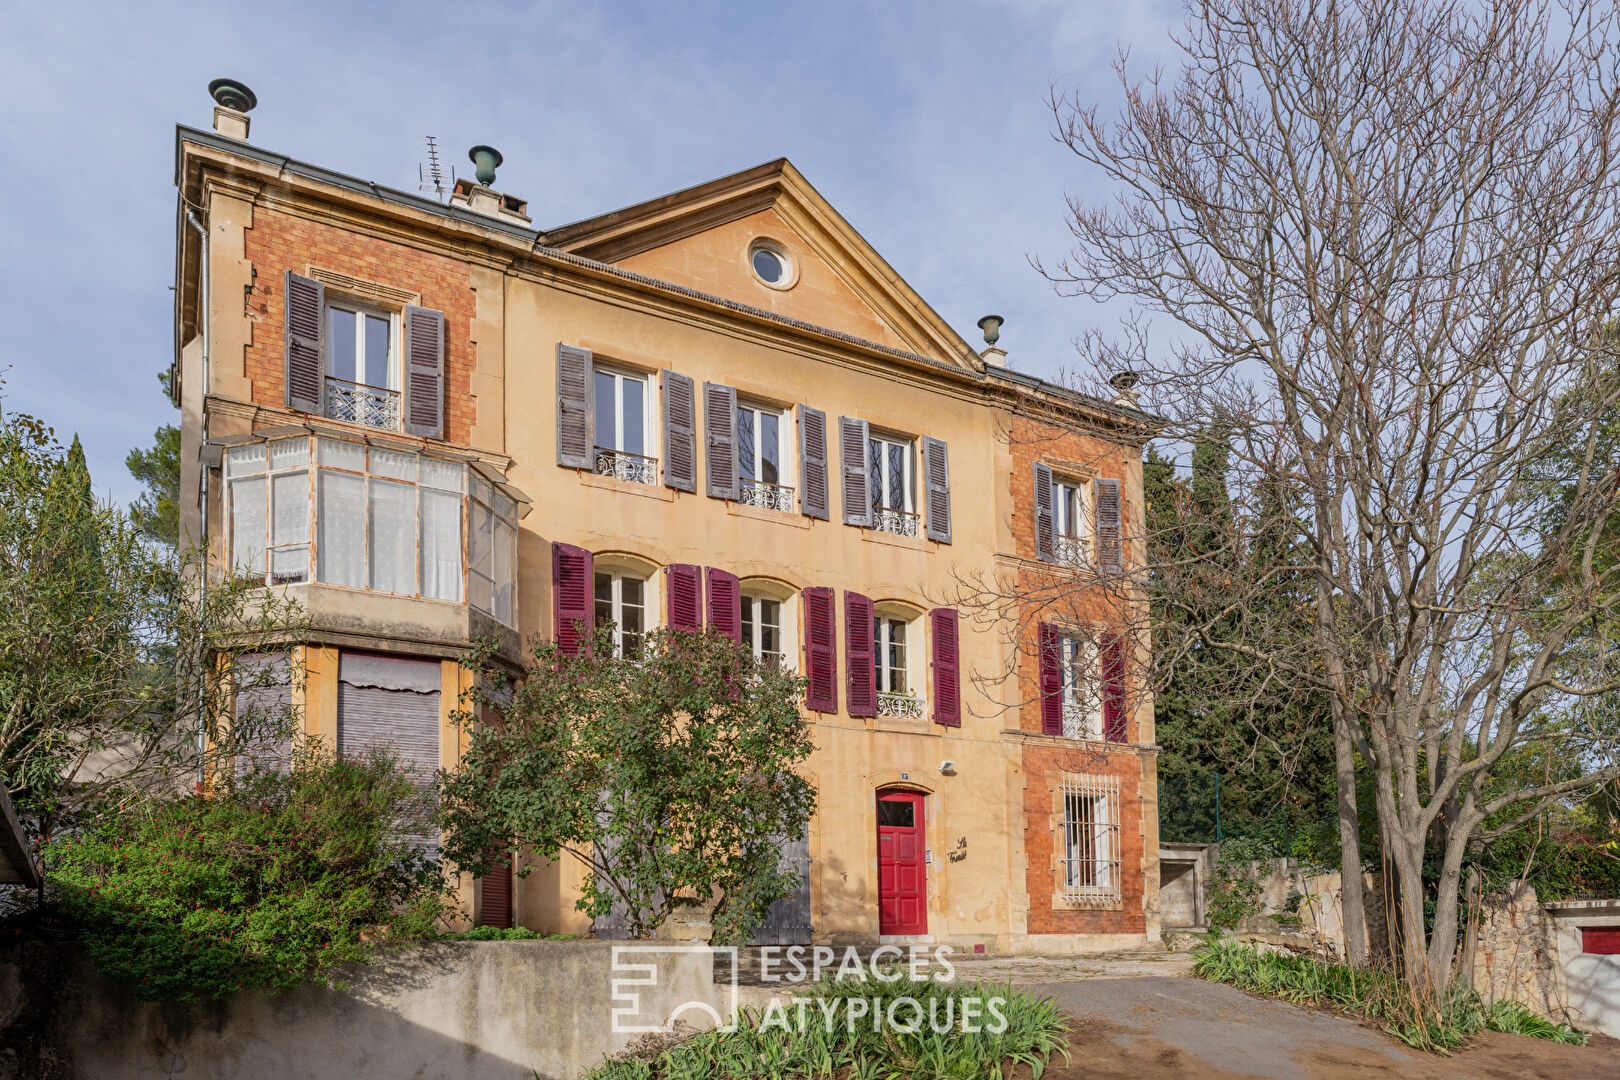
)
(855, 450)
(424, 372)
(725, 603)
(1051, 680)
(720, 441)
(813, 462)
(572, 576)
(820, 651)
(1110, 556)
(1045, 516)
(937, 480)
(945, 630)
(685, 595)
(304, 329)
(574, 390)
(680, 432)
(1111, 648)
(858, 659)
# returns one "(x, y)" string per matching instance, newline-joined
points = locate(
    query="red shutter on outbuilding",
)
(1111, 654)
(820, 651)
(725, 603)
(685, 592)
(1051, 675)
(571, 578)
(946, 635)
(495, 893)
(858, 659)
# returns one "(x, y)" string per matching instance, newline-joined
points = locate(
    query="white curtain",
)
(1101, 824)
(393, 536)
(248, 526)
(441, 544)
(289, 532)
(341, 529)
(505, 556)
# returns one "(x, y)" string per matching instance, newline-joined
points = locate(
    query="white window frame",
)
(649, 600)
(911, 702)
(265, 474)
(360, 310)
(648, 407)
(1082, 701)
(777, 496)
(1088, 840)
(908, 480)
(753, 629)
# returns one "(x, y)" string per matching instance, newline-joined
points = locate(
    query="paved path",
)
(1026, 970)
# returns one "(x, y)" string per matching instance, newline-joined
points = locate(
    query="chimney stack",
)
(992, 354)
(480, 198)
(232, 103)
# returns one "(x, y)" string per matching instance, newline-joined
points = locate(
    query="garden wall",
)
(487, 1010)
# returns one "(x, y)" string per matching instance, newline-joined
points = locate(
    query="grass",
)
(1427, 1020)
(773, 1044)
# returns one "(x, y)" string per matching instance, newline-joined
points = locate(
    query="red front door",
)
(902, 886)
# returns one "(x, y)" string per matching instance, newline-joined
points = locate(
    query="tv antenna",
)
(431, 171)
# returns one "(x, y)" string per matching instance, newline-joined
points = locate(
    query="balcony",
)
(622, 465)
(1069, 550)
(1075, 721)
(766, 496)
(900, 706)
(897, 522)
(358, 403)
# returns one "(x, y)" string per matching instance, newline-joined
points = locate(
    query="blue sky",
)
(923, 123)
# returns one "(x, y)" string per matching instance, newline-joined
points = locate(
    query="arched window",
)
(769, 622)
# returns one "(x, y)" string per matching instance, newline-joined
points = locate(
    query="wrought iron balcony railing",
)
(1069, 550)
(358, 403)
(635, 468)
(1075, 721)
(904, 706)
(766, 496)
(894, 521)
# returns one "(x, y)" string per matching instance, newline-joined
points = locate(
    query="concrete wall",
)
(480, 1010)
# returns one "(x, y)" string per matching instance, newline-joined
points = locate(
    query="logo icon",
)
(639, 998)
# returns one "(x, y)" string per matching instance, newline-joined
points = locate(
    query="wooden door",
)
(902, 884)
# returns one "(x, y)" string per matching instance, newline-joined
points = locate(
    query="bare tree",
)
(1381, 235)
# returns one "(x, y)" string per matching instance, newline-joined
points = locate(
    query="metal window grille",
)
(1090, 871)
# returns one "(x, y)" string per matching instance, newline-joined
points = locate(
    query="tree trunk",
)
(1355, 913)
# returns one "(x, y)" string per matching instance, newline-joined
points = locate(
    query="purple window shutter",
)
(937, 483)
(680, 432)
(685, 585)
(1110, 544)
(572, 579)
(859, 663)
(1051, 669)
(820, 651)
(575, 387)
(947, 667)
(725, 603)
(424, 372)
(1111, 652)
(855, 452)
(1045, 514)
(720, 449)
(304, 329)
(813, 462)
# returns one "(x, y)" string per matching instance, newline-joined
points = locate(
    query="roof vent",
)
(233, 101)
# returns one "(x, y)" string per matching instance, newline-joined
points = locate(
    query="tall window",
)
(362, 381)
(889, 655)
(1082, 707)
(269, 492)
(1069, 521)
(1090, 871)
(623, 426)
(762, 628)
(761, 458)
(893, 508)
(621, 601)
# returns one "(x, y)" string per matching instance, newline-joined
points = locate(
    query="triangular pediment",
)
(702, 237)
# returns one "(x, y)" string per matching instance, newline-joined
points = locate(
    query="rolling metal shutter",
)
(393, 703)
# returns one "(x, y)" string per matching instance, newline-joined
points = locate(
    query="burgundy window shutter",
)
(424, 372)
(820, 651)
(1045, 514)
(304, 329)
(572, 580)
(1112, 656)
(859, 663)
(946, 633)
(680, 432)
(1051, 680)
(855, 452)
(1110, 554)
(495, 893)
(685, 587)
(725, 603)
(813, 462)
(937, 482)
(720, 442)
(574, 390)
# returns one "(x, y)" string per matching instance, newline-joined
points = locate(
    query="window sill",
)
(907, 543)
(1063, 903)
(904, 725)
(628, 487)
(780, 517)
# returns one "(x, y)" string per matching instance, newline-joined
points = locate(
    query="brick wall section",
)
(279, 241)
(1042, 764)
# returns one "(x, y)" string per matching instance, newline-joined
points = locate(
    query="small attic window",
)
(771, 264)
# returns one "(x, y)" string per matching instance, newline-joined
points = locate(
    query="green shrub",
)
(507, 933)
(271, 878)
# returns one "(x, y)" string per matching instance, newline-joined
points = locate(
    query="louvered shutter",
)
(1111, 648)
(1110, 556)
(813, 462)
(1051, 676)
(424, 372)
(495, 893)
(820, 651)
(859, 664)
(1045, 517)
(574, 406)
(685, 596)
(725, 603)
(937, 483)
(304, 329)
(680, 432)
(855, 453)
(572, 578)
(945, 629)
(720, 440)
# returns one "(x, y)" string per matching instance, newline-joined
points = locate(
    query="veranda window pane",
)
(443, 474)
(248, 526)
(481, 541)
(341, 529)
(505, 551)
(393, 464)
(290, 498)
(343, 455)
(289, 566)
(289, 453)
(393, 537)
(244, 460)
(441, 545)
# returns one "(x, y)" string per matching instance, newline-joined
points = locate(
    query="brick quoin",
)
(279, 241)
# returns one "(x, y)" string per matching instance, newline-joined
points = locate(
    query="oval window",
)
(770, 264)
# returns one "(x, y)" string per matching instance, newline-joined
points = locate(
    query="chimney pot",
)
(233, 101)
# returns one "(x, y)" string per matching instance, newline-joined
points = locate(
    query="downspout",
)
(205, 320)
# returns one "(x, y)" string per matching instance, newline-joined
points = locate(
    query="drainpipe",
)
(206, 320)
